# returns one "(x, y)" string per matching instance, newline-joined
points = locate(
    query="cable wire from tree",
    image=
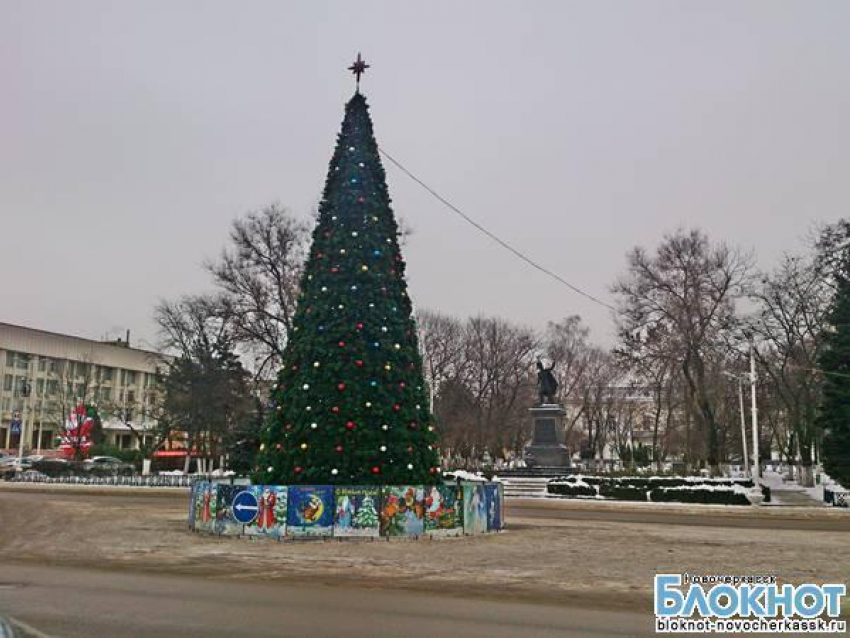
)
(492, 236)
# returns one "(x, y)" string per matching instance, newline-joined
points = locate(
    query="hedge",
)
(657, 488)
(716, 497)
(622, 492)
(571, 490)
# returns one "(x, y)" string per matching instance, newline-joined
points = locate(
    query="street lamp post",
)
(754, 408)
(743, 420)
(24, 391)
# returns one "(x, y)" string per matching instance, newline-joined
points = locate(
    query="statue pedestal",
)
(547, 447)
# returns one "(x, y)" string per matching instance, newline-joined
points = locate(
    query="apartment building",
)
(44, 375)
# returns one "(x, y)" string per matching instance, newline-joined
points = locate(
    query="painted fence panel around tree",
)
(324, 511)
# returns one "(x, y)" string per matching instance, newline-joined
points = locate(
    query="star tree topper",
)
(358, 68)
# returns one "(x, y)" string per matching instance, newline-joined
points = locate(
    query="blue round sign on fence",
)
(245, 507)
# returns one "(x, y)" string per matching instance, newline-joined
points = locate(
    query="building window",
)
(10, 359)
(6, 404)
(131, 396)
(23, 361)
(53, 366)
(42, 364)
(39, 387)
(52, 387)
(8, 382)
(106, 374)
(106, 394)
(131, 377)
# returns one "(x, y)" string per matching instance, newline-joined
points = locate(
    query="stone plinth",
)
(547, 447)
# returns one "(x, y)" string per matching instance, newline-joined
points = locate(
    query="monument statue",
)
(547, 449)
(547, 385)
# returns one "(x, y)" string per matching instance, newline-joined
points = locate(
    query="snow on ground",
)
(777, 484)
(608, 562)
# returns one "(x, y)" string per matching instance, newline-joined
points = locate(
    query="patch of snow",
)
(463, 475)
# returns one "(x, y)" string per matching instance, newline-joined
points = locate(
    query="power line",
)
(492, 236)
(834, 374)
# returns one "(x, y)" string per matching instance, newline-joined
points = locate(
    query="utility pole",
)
(755, 413)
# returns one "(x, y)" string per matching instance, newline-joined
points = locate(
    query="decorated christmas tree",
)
(367, 515)
(350, 404)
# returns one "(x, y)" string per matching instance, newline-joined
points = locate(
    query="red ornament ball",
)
(342, 344)
(433, 470)
(359, 325)
(340, 387)
(358, 363)
(402, 385)
(396, 407)
(339, 449)
(350, 425)
(297, 469)
(376, 470)
(278, 446)
(410, 449)
(335, 409)
(361, 200)
(334, 269)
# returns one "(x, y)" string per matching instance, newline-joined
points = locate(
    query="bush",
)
(713, 497)
(563, 489)
(611, 489)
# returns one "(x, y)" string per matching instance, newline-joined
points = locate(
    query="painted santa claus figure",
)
(270, 499)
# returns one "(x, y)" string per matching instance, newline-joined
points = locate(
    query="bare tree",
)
(206, 391)
(259, 274)
(480, 374)
(499, 378)
(443, 345)
(683, 299)
(793, 306)
(71, 385)
(573, 356)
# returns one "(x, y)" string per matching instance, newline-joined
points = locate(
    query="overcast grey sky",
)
(131, 134)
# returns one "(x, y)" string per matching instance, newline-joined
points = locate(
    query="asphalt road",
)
(82, 603)
(565, 510)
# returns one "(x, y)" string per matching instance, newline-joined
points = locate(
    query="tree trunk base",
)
(807, 477)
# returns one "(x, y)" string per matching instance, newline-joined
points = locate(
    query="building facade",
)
(44, 375)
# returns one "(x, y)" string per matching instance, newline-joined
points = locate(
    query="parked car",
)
(12, 464)
(108, 464)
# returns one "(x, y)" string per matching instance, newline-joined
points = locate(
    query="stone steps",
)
(525, 487)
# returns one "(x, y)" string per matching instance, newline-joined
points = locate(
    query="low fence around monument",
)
(316, 511)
